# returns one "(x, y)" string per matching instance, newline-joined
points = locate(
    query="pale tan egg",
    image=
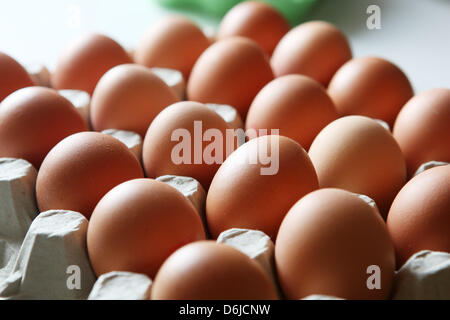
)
(84, 61)
(173, 42)
(316, 49)
(358, 154)
(232, 71)
(255, 20)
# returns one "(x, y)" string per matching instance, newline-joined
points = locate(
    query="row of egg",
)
(354, 153)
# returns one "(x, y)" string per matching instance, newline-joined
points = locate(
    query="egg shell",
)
(231, 71)
(173, 42)
(138, 224)
(257, 21)
(326, 243)
(419, 218)
(296, 105)
(206, 270)
(33, 120)
(358, 154)
(85, 60)
(128, 97)
(422, 128)
(12, 76)
(371, 87)
(316, 49)
(241, 196)
(159, 146)
(81, 169)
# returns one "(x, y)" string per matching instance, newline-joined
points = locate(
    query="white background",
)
(415, 34)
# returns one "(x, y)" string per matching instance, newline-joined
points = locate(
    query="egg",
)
(296, 105)
(176, 144)
(206, 270)
(358, 154)
(316, 49)
(329, 243)
(12, 76)
(85, 60)
(33, 120)
(254, 188)
(231, 71)
(173, 42)
(128, 97)
(257, 21)
(422, 128)
(138, 224)
(419, 218)
(371, 87)
(81, 169)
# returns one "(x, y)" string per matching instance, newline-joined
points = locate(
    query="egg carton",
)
(44, 255)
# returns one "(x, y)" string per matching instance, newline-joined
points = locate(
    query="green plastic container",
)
(293, 10)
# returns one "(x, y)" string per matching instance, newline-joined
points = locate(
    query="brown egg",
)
(139, 224)
(33, 120)
(206, 270)
(327, 244)
(297, 105)
(232, 71)
(316, 49)
(249, 191)
(358, 154)
(81, 169)
(12, 76)
(422, 128)
(129, 97)
(371, 87)
(174, 142)
(257, 21)
(419, 218)
(85, 60)
(174, 42)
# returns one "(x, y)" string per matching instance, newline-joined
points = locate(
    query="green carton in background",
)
(293, 10)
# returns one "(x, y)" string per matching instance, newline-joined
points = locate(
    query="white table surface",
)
(415, 34)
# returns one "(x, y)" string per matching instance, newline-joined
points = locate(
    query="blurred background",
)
(414, 34)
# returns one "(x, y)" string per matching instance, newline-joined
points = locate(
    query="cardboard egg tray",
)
(44, 256)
